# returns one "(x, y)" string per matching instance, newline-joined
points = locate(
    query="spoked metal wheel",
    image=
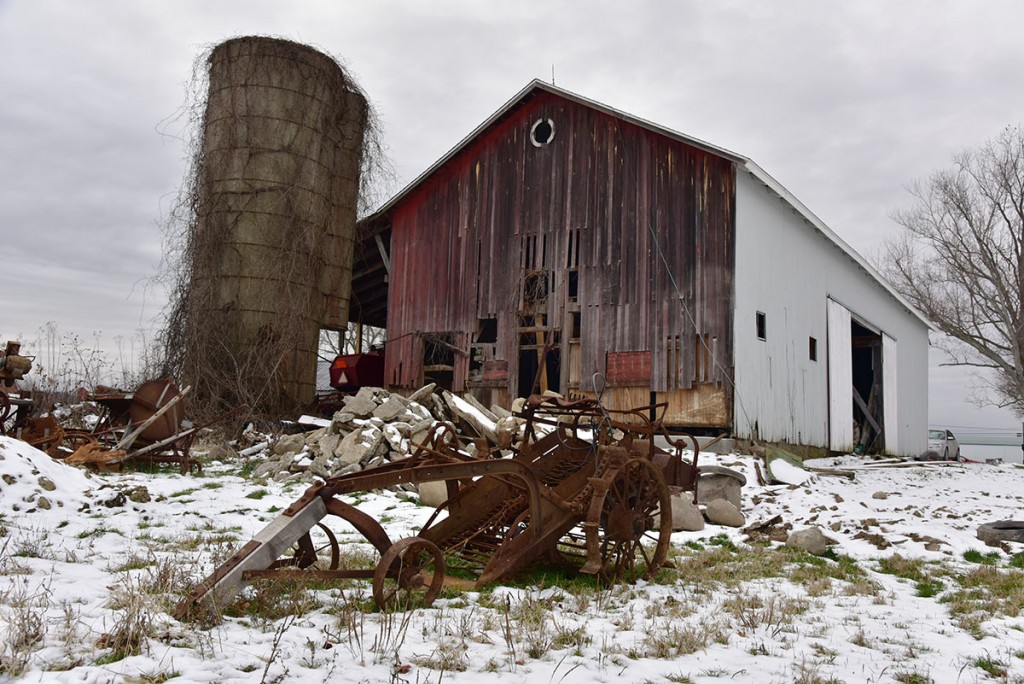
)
(410, 575)
(635, 522)
(317, 548)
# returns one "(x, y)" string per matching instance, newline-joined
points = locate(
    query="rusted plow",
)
(147, 424)
(585, 487)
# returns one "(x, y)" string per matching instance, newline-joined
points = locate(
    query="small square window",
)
(812, 348)
(761, 325)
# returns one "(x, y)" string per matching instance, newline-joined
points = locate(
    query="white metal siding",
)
(890, 398)
(840, 378)
(787, 269)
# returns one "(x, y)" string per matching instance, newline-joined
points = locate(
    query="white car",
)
(943, 445)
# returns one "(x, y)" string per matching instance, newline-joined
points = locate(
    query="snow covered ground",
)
(91, 565)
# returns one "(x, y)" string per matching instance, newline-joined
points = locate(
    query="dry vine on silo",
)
(255, 256)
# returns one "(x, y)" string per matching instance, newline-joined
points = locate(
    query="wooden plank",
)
(271, 543)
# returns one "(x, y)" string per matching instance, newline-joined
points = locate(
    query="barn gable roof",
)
(741, 161)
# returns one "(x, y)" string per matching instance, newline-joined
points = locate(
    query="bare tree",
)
(329, 341)
(960, 260)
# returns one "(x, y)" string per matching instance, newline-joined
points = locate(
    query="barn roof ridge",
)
(743, 161)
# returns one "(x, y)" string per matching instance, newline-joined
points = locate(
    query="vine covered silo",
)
(268, 254)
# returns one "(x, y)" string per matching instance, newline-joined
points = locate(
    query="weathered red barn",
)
(565, 245)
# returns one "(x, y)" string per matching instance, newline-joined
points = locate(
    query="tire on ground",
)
(1003, 530)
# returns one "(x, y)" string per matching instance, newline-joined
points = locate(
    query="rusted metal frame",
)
(306, 574)
(677, 459)
(365, 524)
(546, 414)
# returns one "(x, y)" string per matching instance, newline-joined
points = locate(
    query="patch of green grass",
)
(723, 541)
(982, 592)
(158, 677)
(1017, 560)
(930, 587)
(909, 677)
(257, 494)
(907, 568)
(97, 531)
(679, 679)
(133, 561)
(975, 556)
(990, 666)
(183, 492)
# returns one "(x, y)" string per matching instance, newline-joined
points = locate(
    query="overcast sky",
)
(843, 102)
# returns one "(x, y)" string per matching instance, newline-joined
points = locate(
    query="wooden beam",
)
(268, 545)
(864, 409)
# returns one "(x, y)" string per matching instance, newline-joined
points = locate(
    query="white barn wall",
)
(788, 269)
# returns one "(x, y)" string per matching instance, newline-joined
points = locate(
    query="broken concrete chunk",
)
(721, 512)
(267, 468)
(395, 437)
(358, 445)
(422, 393)
(685, 513)
(314, 436)
(361, 405)
(340, 422)
(390, 409)
(351, 468)
(320, 466)
(719, 482)
(289, 444)
(329, 444)
(433, 494)
(472, 415)
(486, 412)
(812, 540)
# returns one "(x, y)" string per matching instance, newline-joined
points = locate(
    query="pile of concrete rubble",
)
(376, 426)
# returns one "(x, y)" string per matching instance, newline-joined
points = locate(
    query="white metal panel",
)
(787, 270)
(890, 402)
(840, 378)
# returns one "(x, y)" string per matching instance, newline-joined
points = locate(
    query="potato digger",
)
(585, 487)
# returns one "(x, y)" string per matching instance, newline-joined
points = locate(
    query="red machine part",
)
(349, 372)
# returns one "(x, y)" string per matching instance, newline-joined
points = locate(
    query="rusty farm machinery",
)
(13, 367)
(585, 487)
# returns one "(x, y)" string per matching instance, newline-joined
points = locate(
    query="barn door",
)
(840, 379)
(889, 402)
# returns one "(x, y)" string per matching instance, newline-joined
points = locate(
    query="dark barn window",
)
(761, 325)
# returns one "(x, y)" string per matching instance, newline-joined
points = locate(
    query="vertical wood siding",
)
(650, 214)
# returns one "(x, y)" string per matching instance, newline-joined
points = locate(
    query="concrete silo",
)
(277, 188)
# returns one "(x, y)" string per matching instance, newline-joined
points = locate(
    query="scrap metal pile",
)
(584, 486)
(146, 424)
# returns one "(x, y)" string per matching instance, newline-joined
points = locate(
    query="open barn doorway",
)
(860, 388)
(540, 362)
(868, 396)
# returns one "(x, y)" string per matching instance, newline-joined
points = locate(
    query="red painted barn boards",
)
(564, 245)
